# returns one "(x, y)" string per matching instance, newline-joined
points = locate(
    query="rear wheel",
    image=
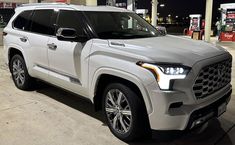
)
(20, 74)
(124, 112)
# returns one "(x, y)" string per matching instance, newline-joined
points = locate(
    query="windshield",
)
(120, 25)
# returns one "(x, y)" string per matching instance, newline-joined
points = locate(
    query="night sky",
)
(181, 8)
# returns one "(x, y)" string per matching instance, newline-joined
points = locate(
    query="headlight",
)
(174, 70)
(165, 73)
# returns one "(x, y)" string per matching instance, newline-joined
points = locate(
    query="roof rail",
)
(42, 4)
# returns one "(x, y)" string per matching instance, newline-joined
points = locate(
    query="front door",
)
(64, 55)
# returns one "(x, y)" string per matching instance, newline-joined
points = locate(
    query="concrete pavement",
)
(1, 30)
(50, 116)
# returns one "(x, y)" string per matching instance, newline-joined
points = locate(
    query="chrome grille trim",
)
(212, 78)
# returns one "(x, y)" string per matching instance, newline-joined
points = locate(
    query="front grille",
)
(212, 78)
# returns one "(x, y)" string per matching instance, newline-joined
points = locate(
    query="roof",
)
(71, 6)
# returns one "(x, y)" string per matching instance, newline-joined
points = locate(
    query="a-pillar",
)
(208, 21)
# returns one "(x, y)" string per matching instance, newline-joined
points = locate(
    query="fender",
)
(18, 47)
(124, 75)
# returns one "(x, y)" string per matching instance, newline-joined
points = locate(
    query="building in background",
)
(7, 10)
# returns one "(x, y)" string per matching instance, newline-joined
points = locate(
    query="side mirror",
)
(162, 30)
(68, 34)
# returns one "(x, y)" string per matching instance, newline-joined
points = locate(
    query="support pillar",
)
(154, 12)
(91, 2)
(111, 2)
(33, 1)
(131, 5)
(68, 1)
(208, 21)
(83, 2)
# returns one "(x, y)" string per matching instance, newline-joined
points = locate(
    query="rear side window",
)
(22, 21)
(71, 19)
(41, 22)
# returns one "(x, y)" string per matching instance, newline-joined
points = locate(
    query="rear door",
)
(40, 31)
(19, 35)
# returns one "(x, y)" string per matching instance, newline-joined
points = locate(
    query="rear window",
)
(22, 21)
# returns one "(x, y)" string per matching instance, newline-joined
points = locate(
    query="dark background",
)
(181, 8)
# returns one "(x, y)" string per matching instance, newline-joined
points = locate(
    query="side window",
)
(41, 22)
(22, 21)
(71, 19)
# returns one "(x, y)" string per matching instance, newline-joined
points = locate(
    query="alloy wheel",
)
(18, 72)
(118, 111)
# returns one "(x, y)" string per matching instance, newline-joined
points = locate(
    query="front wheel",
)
(124, 112)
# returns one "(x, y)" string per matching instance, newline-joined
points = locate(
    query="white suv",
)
(141, 79)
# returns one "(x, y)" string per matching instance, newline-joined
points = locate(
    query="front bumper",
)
(171, 110)
(202, 115)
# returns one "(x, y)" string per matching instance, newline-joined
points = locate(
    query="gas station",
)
(196, 27)
(227, 22)
(67, 126)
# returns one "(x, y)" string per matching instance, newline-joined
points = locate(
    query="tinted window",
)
(120, 25)
(71, 19)
(41, 22)
(22, 21)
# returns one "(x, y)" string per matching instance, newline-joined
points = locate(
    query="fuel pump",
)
(227, 22)
(195, 23)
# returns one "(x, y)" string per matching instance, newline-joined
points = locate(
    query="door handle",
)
(52, 46)
(23, 39)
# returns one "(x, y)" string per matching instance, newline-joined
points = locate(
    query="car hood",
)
(169, 48)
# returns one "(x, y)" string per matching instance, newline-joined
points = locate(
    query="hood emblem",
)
(220, 70)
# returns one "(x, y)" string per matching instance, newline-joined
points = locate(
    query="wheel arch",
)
(103, 77)
(15, 49)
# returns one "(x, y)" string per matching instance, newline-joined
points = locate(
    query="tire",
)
(19, 72)
(126, 120)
